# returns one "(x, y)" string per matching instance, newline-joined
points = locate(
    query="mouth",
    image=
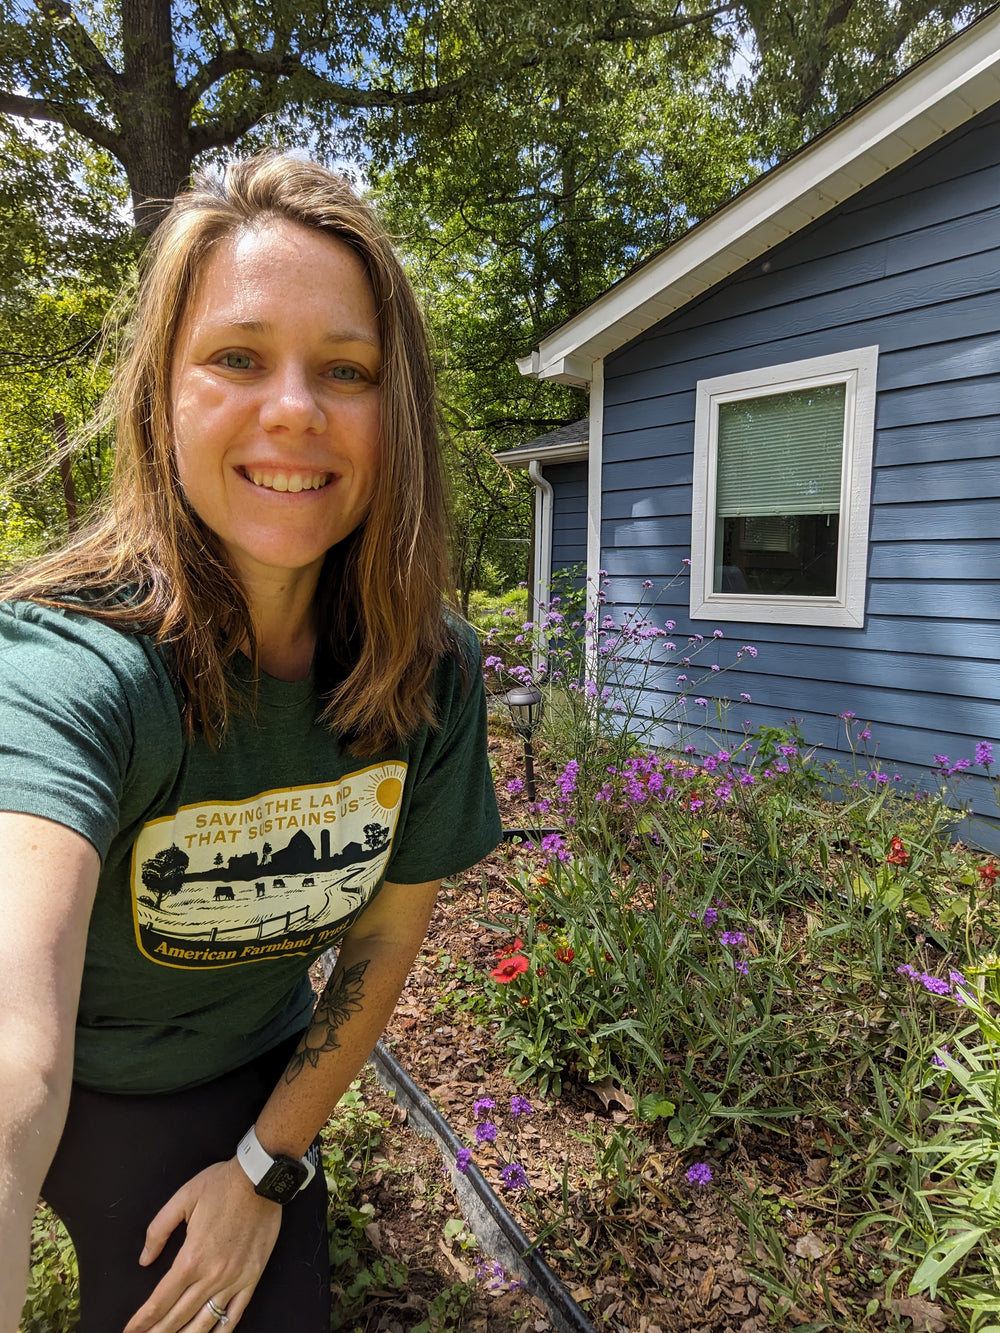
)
(292, 482)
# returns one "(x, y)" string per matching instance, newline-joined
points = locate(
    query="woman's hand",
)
(231, 1232)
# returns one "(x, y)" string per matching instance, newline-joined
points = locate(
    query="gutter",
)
(544, 508)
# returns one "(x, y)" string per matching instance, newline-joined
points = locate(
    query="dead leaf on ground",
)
(927, 1318)
(810, 1246)
(607, 1092)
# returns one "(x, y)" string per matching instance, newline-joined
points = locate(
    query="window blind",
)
(781, 453)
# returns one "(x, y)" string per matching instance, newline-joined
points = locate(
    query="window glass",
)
(778, 483)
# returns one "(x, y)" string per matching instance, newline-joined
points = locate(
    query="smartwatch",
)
(278, 1178)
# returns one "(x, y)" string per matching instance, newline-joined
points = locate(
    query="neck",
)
(284, 619)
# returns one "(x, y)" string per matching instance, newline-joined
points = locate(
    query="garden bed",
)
(640, 1245)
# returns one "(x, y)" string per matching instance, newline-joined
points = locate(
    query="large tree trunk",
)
(153, 118)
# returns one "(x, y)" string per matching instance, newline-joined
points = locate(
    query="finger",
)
(163, 1225)
(166, 1312)
(236, 1307)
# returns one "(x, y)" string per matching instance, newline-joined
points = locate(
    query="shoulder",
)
(73, 652)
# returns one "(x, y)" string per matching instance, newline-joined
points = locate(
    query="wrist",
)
(274, 1176)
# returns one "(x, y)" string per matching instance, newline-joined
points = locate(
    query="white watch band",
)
(256, 1161)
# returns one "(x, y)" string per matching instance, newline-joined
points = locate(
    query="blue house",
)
(802, 397)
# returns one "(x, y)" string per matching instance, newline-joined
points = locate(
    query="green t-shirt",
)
(225, 872)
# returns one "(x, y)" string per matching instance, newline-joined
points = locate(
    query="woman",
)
(237, 728)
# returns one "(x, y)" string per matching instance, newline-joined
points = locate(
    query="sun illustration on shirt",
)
(383, 794)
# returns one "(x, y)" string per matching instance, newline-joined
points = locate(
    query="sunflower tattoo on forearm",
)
(342, 997)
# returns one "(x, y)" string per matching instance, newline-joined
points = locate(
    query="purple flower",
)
(936, 1058)
(514, 1176)
(702, 703)
(734, 938)
(746, 698)
(699, 1174)
(935, 985)
(567, 779)
(486, 1132)
(647, 583)
(749, 648)
(463, 1159)
(553, 846)
(492, 663)
(482, 1105)
(984, 754)
(520, 1106)
(743, 967)
(515, 786)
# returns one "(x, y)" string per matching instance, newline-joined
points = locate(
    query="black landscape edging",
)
(528, 834)
(494, 1228)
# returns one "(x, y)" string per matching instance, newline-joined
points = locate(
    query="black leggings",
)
(122, 1157)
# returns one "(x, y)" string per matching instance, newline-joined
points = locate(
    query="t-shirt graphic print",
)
(285, 872)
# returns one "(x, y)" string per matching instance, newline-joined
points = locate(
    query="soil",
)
(667, 1258)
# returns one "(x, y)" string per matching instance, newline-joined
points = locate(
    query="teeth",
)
(292, 482)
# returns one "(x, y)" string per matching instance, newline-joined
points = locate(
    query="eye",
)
(236, 360)
(348, 374)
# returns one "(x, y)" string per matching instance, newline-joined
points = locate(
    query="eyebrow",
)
(333, 336)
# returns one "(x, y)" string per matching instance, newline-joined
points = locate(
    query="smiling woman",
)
(240, 726)
(275, 387)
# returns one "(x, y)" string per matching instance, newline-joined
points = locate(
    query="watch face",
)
(282, 1181)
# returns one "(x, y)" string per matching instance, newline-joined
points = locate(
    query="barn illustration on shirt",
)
(284, 872)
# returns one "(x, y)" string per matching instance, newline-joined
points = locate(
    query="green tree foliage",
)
(159, 83)
(813, 60)
(534, 203)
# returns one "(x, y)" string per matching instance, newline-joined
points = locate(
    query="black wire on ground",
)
(494, 1228)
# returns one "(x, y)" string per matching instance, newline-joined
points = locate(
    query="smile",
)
(289, 481)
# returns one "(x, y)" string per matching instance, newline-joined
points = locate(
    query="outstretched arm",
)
(47, 888)
(230, 1229)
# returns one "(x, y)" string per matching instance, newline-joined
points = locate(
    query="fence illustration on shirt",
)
(284, 872)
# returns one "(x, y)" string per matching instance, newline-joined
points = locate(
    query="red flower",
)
(510, 968)
(989, 872)
(516, 947)
(898, 856)
(564, 954)
(541, 971)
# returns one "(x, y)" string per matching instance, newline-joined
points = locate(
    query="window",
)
(782, 476)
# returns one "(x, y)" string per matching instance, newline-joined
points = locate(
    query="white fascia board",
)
(940, 94)
(550, 453)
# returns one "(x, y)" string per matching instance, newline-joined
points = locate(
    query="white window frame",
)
(857, 371)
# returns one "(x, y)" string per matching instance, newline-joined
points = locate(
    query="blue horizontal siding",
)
(911, 264)
(569, 513)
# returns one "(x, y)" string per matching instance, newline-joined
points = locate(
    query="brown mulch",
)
(667, 1258)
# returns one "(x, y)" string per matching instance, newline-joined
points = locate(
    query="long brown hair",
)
(383, 589)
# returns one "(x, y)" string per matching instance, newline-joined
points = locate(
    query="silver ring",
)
(219, 1315)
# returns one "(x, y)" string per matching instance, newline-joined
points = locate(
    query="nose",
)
(291, 401)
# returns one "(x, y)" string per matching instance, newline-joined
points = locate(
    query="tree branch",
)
(78, 41)
(73, 118)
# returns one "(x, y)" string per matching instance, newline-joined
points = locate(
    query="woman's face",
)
(275, 399)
